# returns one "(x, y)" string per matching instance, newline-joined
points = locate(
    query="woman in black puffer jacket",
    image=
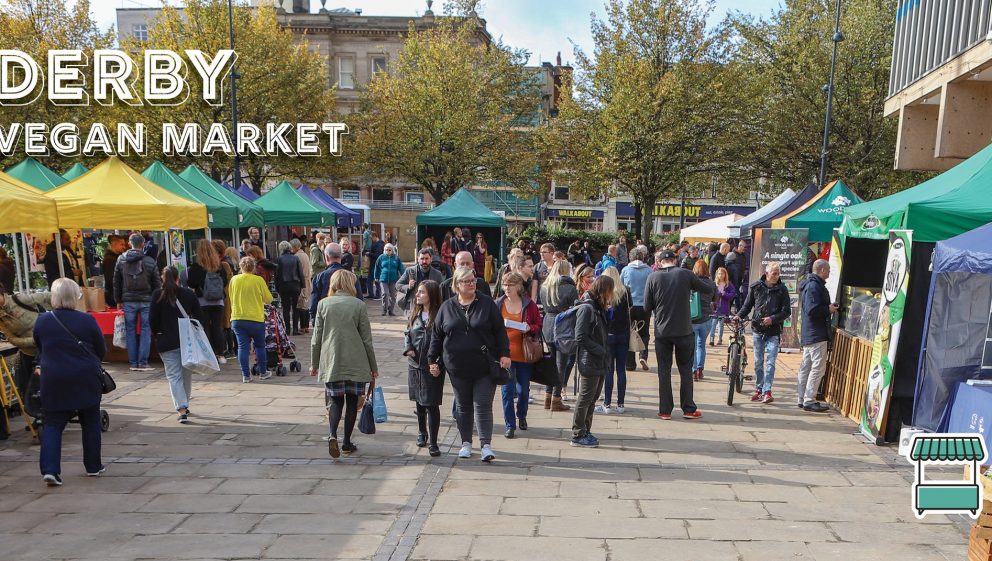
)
(558, 292)
(592, 356)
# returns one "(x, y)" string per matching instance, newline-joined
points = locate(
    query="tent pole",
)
(18, 267)
(234, 237)
(27, 262)
(209, 235)
(58, 247)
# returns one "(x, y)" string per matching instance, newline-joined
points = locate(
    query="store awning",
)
(32, 172)
(821, 214)
(113, 196)
(947, 449)
(461, 209)
(75, 171)
(249, 213)
(283, 206)
(220, 214)
(24, 209)
(742, 228)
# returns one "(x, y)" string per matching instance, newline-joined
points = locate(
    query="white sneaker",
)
(221, 360)
(619, 409)
(265, 375)
(604, 409)
(644, 364)
(466, 451)
(487, 454)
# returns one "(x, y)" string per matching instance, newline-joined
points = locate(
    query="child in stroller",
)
(277, 343)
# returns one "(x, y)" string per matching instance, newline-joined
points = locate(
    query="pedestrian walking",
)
(347, 259)
(135, 278)
(701, 326)
(116, 246)
(302, 304)
(447, 255)
(426, 389)
(388, 269)
(317, 262)
(70, 347)
(722, 299)
(617, 343)
(817, 309)
(719, 259)
(634, 278)
(249, 294)
(464, 259)
(289, 285)
(168, 305)
(609, 259)
(667, 295)
(517, 308)
(229, 262)
(592, 356)
(768, 297)
(558, 294)
(623, 255)
(342, 356)
(208, 281)
(413, 276)
(470, 341)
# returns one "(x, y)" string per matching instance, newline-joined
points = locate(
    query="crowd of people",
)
(589, 317)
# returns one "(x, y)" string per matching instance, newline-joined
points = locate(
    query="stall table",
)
(106, 321)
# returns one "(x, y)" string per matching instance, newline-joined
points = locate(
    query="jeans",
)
(213, 325)
(683, 349)
(519, 390)
(137, 356)
(474, 397)
(765, 353)
(811, 371)
(180, 379)
(585, 404)
(700, 331)
(51, 439)
(713, 329)
(618, 364)
(564, 364)
(249, 332)
(638, 313)
(388, 297)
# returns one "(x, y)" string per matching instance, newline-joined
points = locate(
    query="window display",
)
(859, 311)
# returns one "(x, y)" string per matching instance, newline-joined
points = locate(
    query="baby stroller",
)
(277, 345)
(32, 406)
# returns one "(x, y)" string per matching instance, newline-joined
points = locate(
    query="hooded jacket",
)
(635, 278)
(590, 338)
(567, 295)
(816, 309)
(121, 293)
(18, 315)
(767, 301)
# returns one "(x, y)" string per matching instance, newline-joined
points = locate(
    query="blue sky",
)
(543, 27)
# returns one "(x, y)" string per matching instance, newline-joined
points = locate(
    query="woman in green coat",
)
(341, 327)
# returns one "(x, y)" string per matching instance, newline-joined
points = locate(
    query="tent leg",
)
(234, 237)
(265, 245)
(209, 235)
(58, 247)
(27, 262)
(18, 267)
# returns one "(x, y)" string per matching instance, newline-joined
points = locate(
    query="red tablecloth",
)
(106, 320)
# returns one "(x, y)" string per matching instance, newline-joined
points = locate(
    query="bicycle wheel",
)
(736, 380)
(730, 389)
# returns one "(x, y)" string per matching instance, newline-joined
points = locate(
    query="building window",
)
(414, 197)
(346, 73)
(140, 31)
(351, 195)
(382, 195)
(561, 192)
(378, 65)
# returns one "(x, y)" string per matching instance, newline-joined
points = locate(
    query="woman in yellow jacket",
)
(249, 293)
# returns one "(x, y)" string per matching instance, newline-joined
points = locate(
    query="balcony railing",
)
(930, 33)
(390, 205)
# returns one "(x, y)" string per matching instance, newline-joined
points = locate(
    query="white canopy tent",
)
(712, 230)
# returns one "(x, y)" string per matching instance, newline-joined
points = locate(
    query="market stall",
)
(220, 214)
(75, 171)
(800, 199)
(957, 324)
(249, 213)
(347, 218)
(284, 206)
(820, 214)
(463, 210)
(309, 195)
(891, 240)
(712, 230)
(33, 173)
(23, 210)
(742, 228)
(244, 191)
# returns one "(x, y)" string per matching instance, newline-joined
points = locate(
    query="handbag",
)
(695, 306)
(196, 354)
(366, 419)
(379, 405)
(120, 332)
(107, 383)
(545, 371)
(636, 344)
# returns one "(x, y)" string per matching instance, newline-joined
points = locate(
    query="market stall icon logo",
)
(955, 496)
(870, 223)
(841, 200)
(897, 270)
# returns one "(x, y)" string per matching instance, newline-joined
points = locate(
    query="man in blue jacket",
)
(817, 310)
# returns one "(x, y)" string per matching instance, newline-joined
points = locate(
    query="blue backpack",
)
(564, 332)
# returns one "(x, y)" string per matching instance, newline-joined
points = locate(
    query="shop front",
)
(577, 218)
(668, 215)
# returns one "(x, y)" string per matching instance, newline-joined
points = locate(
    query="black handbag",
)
(107, 383)
(366, 420)
(545, 371)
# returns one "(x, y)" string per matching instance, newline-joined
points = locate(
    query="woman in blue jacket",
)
(388, 269)
(70, 348)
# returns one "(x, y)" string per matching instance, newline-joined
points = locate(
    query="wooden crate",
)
(847, 374)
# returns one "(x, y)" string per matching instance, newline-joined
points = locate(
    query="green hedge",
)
(563, 237)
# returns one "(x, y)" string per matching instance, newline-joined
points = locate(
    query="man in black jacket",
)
(464, 259)
(769, 298)
(135, 278)
(413, 276)
(69, 260)
(719, 259)
(817, 310)
(667, 295)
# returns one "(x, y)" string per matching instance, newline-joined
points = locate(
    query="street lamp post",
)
(837, 38)
(234, 100)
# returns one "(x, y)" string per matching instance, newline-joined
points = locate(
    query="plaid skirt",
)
(334, 389)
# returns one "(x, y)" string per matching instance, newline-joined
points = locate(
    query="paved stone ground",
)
(250, 478)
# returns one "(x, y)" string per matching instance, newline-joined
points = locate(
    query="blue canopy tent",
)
(742, 228)
(245, 192)
(956, 328)
(318, 196)
(354, 218)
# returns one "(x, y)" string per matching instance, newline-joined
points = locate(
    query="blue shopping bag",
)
(379, 405)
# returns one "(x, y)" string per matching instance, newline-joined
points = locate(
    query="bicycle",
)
(736, 357)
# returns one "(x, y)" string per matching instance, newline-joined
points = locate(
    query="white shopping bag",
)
(194, 346)
(120, 334)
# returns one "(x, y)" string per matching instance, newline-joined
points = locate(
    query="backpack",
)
(564, 332)
(135, 277)
(213, 287)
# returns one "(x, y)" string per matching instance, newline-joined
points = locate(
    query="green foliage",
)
(563, 237)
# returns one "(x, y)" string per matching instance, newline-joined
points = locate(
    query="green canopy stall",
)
(821, 214)
(35, 174)
(283, 206)
(75, 171)
(249, 214)
(462, 210)
(220, 214)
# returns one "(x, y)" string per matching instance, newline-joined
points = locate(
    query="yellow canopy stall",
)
(113, 196)
(24, 209)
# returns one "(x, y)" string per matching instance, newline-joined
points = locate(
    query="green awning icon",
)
(945, 448)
